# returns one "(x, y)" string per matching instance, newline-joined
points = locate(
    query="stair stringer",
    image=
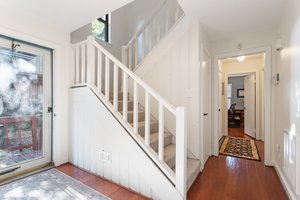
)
(129, 166)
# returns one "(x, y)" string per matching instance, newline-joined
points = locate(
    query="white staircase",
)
(140, 109)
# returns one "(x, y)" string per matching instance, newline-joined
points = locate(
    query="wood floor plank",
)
(226, 177)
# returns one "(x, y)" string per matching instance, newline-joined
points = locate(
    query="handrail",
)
(153, 93)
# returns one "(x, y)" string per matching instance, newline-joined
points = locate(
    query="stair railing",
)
(150, 33)
(94, 66)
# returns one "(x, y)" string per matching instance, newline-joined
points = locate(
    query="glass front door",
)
(25, 107)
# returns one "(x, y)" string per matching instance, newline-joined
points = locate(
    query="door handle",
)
(205, 114)
(219, 110)
(50, 110)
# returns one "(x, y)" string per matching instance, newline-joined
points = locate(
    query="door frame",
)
(267, 99)
(257, 97)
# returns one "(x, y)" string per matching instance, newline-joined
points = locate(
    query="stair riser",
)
(171, 162)
(141, 117)
(120, 97)
(153, 129)
(167, 141)
(129, 107)
(111, 95)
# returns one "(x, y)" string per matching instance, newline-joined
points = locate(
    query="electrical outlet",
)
(99, 155)
(103, 156)
(106, 156)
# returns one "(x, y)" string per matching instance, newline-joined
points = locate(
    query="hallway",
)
(232, 178)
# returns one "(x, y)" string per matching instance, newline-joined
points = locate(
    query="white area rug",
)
(48, 185)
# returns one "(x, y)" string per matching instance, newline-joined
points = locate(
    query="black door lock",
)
(50, 110)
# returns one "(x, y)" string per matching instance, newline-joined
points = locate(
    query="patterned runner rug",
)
(50, 184)
(240, 147)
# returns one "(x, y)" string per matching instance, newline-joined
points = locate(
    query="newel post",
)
(181, 150)
(90, 60)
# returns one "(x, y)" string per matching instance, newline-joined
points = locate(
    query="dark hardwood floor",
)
(236, 132)
(226, 177)
(103, 186)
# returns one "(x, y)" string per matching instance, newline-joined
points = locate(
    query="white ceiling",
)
(67, 14)
(227, 19)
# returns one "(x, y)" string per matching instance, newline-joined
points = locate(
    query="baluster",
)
(116, 78)
(77, 65)
(161, 133)
(125, 55)
(130, 56)
(176, 11)
(135, 52)
(147, 119)
(181, 150)
(83, 63)
(107, 69)
(125, 96)
(158, 32)
(135, 108)
(99, 63)
(167, 17)
(143, 44)
(91, 67)
(150, 36)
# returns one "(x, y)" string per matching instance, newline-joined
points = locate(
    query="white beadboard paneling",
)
(129, 166)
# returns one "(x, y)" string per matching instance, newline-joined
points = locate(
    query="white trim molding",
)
(285, 184)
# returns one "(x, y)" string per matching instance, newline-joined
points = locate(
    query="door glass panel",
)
(21, 107)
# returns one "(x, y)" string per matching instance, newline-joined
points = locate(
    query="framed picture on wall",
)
(240, 93)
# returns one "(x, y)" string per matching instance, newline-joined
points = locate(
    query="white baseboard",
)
(291, 194)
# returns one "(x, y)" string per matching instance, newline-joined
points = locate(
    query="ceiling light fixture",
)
(241, 58)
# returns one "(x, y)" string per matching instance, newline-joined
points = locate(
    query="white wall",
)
(125, 21)
(288, 91)
(25, 27)
(94, 128)
(173, 70)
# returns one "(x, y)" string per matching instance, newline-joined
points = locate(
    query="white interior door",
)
(220, 104)
(25, 95)
(249, 102)
(206, 84)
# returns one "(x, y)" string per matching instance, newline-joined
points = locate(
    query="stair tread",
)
(142, 123)
(131, 111)
(169, 154)
(192, 166)
(154, 136)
